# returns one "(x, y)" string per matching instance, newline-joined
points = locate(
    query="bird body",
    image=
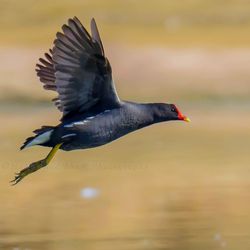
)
(104, 127)
(97, 129)
(93, 114)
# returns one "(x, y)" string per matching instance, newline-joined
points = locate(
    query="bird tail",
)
(42, 136)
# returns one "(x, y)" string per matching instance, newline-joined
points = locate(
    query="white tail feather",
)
(42, 138)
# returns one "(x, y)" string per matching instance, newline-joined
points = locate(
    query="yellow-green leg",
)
(36, 165)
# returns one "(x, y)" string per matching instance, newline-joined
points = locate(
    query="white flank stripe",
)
(71, 125)
(89, 118)
(40, 139)
(79, 123)
(68, 135)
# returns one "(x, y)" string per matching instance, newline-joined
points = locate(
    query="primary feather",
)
(77, 69)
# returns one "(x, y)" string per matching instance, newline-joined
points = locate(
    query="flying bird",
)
(92, 113)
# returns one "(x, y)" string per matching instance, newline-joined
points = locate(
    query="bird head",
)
(178, 113)
(168, 112)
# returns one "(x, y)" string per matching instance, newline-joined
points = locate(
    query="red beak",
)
(181, 116)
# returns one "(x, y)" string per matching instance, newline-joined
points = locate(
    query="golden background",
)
(170, 186)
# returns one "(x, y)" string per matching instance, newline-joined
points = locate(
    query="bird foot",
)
(30, 169)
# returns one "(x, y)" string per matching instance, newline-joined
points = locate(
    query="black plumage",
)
(78, 70)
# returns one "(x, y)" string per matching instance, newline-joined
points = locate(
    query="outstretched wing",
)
(78, 70)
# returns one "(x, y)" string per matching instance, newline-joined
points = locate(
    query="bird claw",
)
(30, 169)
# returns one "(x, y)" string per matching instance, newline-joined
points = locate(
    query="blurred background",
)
(170, 186)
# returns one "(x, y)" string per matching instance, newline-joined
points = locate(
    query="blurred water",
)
(150, 216)
(171, 186)
(89, 193)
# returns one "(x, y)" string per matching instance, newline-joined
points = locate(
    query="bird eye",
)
(173, 110)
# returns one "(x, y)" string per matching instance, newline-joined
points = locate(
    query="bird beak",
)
(181, 116)
(186, 119)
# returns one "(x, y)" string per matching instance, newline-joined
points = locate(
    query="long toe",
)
(30, 169)
(19, 176)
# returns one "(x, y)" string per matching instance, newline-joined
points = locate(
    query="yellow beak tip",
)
(186, 119)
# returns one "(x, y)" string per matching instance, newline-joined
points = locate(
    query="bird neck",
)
(157, 112)
(143, 114)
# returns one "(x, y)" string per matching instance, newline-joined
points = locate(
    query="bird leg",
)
(36, 165)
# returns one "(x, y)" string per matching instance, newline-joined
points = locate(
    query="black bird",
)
(93, 115)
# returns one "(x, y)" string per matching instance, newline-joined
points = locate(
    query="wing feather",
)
(76, 67)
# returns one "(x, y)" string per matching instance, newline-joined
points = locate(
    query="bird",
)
(92, 112)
